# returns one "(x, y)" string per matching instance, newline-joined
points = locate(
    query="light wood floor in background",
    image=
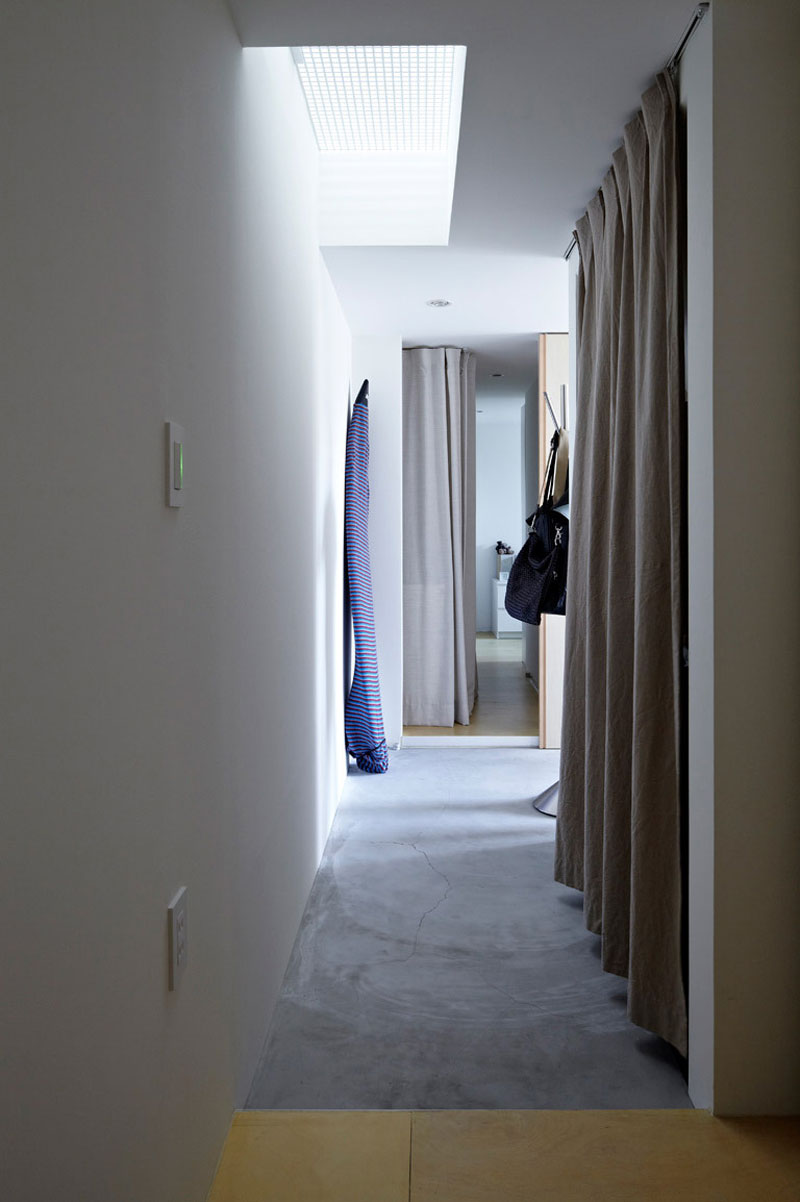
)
(507, 702)
(507, 1156)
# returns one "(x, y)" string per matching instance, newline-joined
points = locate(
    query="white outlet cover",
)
(178, 936)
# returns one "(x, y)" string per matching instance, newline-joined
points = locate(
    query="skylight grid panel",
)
(378, 98)
(376, 102)
(335, 82)
(351, 111)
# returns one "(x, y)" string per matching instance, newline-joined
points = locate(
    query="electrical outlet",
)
(178, 937)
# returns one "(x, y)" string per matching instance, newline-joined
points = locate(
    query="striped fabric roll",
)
(363, 719)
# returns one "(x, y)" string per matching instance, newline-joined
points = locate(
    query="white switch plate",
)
(176, 441)
(178, 937)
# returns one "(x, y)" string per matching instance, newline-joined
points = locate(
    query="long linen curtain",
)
(438, 536)
(618, 831)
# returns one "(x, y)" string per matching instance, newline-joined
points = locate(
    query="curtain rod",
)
(677, 54)
(672, 66)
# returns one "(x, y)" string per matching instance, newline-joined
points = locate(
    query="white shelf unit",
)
(503, 624)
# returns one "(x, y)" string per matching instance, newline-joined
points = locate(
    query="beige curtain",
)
(618, 833)
(438, 536)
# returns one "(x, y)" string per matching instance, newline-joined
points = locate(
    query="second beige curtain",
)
(619, 826)
(438, 536)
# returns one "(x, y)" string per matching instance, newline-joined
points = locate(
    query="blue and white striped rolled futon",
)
(363, 720)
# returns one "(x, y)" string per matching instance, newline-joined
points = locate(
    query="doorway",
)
(520, 665)
(506, 704)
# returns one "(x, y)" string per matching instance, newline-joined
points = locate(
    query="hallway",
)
(194, 290)
(507, 703)
(439, 966)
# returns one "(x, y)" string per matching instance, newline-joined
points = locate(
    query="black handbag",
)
(537, 582)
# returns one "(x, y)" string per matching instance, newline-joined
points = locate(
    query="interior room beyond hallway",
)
(507, 703)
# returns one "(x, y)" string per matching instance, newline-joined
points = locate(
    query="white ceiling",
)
(547, 90)
(499, 302)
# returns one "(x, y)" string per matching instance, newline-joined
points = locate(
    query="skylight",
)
(379, 98)
(386, 120)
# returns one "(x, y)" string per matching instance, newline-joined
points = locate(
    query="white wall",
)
(530, 634)
(331, 404)
(380, 360)
(742, 94)
(756, 373)
(498, 493)
(696, 119)
(161, 667)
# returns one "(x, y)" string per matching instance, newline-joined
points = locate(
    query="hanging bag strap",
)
(546, 494)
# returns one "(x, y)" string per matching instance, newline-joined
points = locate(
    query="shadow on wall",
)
(330, 427)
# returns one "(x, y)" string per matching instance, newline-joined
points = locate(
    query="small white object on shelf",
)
(504, 563)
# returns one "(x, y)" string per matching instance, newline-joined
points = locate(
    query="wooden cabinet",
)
(553, 378)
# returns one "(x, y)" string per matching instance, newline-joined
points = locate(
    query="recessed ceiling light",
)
(438, 304)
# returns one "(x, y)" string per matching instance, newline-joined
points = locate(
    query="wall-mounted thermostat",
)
(175, 454)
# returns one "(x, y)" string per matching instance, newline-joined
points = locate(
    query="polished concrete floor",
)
(438, 965)
(507, 703)
(507, 1156)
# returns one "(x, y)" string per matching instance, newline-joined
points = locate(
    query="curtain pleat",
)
(438, 536)
(618, 829)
